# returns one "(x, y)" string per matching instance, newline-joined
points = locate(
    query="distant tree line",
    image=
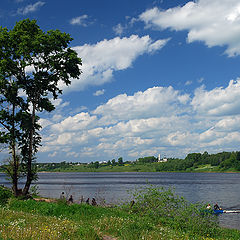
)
(224, 161)
(150, 159)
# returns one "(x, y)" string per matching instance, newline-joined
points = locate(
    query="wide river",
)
(223, 188)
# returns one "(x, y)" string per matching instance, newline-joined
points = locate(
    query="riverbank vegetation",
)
(157, 214)
(193, 162)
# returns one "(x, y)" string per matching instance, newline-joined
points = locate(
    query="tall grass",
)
(20, 225)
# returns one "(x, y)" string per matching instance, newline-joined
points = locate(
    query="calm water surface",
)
(223, 188)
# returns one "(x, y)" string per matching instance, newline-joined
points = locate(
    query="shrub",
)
(5, 194)
(164, 206)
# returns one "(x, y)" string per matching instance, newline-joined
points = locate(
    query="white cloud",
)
(57, 117)
(179, 138)
(65, 138)
(30, 8)
(81, 20)
(187, 83)
(228, 124)
(215, 22)
(44, 122)
(58, 103)
(160, 119)
(54, 154)
(156, 101)
(102, 59)
(118, 29)
(99, 92)
(219, 101)
(77, 122)
(72, 154)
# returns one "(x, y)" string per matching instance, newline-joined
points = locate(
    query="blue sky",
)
(159, 77)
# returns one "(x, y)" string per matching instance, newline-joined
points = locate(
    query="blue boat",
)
(218, 211)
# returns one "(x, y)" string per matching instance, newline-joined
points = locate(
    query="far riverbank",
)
(147, 167)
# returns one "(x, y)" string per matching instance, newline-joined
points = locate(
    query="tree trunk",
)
(15, 173)
(30, 155)
(14, 157)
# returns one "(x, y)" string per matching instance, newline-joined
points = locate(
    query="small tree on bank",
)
(32, 64)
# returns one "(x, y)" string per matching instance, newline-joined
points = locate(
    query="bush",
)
(165, 207)
(5, 194)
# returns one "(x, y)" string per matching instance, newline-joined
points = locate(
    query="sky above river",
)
(159, 77)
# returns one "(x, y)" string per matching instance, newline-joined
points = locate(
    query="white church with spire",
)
(164, 159)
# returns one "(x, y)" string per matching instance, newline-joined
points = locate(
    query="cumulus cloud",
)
(156, 101)
(187, 83)
(44, 122)
(118, 29)
(77, 122)
(52, 154)
(99, 92)
(219, 101)
(124, 122)
(228, 124)
(100, 60)
(205, 20)
(59, 103)
(159, 119)
(81, 20)
(30, 8)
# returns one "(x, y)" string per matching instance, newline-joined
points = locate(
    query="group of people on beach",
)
(70, 199)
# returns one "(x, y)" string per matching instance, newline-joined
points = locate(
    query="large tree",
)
(32, 64)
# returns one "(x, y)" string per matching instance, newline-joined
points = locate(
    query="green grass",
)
(24, 225)
(148, 167)
(206, 168)
(138, 167)
(157, 214)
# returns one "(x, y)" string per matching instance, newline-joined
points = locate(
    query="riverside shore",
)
(148, 218)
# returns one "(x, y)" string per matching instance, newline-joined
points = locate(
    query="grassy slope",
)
(41, 220)
(148, 167)
(128, 168)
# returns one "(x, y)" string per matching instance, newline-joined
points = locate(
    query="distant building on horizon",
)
(162, 160)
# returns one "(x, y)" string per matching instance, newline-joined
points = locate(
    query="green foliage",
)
(34, 191)
(150, 159)
(120, 161)
(12, 167)
(164, 205)
(114, 162)
(96, 164)
(5, 194)
(224, 161)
